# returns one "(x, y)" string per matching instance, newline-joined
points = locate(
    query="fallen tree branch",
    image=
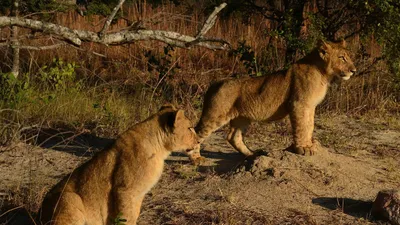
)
(207, 26)
(210, 21)
(110, 18)
(91, 52)
(39, 48)
(48, 28)
(76, 37)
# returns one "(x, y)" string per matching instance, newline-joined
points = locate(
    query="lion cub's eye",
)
(343, 58)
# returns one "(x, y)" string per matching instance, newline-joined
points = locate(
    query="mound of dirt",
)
(338, 173)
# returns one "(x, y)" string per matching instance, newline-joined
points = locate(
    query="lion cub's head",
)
(337, 59)
(179, 131)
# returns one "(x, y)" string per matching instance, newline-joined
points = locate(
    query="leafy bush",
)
(13, 91)
(51, 82)
(247, 57)
(59, 76)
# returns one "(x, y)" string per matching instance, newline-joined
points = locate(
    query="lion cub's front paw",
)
(198, 160)
(315, 148)
(306, 151)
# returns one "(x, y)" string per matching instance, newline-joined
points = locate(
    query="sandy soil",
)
(336, 186)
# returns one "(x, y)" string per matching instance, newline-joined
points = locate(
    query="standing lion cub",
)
(115, 181)
(296, 91)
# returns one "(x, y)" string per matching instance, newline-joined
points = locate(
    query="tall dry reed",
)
(189, 71)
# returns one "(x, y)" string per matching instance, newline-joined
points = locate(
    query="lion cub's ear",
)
(167, 106)
(323, 48)
(179, 118)
(343, 43)
(174, 119)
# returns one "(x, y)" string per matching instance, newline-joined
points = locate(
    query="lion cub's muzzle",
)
(347, 75)
(195, 141)
(194, 147)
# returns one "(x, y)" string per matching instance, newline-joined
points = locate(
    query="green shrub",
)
(59, 76)
(247, 57)
(13, 91)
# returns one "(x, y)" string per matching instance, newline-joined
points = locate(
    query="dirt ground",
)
(336, 186)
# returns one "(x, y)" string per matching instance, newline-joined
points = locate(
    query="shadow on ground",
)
(69, 141)
(352, 207)
(12, 215)
(219, 162)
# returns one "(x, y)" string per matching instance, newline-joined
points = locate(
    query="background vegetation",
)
(105, 89)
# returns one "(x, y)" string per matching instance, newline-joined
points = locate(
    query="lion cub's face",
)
(180, 131)
(183, 133)
(337, 59)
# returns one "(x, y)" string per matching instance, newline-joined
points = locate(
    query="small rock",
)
(387, 206)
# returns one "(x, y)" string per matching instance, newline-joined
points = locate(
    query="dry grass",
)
(191, 71)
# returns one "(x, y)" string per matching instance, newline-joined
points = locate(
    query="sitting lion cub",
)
(295, 91)
(115, 181)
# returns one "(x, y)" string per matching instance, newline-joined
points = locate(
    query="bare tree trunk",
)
(15, 42)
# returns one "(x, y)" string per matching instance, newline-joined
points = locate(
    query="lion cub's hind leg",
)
(207, 124)
(235, 136)
(70, 210)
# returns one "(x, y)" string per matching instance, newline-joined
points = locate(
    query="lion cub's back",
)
(251, 97)
(226, 92)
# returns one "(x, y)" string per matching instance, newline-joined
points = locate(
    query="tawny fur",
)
(116, 180)
(296, 91)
